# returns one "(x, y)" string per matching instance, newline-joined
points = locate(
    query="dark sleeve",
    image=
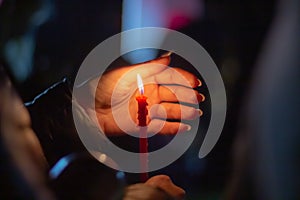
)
(83, 177)
(52, 121)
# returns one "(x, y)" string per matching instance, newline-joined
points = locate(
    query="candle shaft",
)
(143, 142)
(144, 153)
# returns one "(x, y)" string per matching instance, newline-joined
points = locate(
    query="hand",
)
(146, 192)
(164, 86)
(164, 183)
(158, 187)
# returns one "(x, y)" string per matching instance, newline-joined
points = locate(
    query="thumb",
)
(155, 66)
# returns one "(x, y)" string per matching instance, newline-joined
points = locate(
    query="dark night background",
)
(231, 31)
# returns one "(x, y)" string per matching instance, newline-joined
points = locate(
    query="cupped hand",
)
(165, 87)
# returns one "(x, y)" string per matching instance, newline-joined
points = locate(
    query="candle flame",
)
(140, 84)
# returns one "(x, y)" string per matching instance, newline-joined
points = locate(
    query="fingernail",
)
(199, 83)
(188, 127)
(167, 54)
(200, 112)
(202, 97)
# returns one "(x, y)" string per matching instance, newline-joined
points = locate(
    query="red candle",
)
(142, 122)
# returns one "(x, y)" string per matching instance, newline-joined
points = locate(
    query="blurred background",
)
(42, 41)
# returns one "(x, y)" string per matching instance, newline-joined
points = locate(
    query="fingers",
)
(174, 111)
(192, 79)
(148, 69)
(166, 127)
(179, 94)
(165, 183)
(145, 192)
(177, 76)
(158, 71)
